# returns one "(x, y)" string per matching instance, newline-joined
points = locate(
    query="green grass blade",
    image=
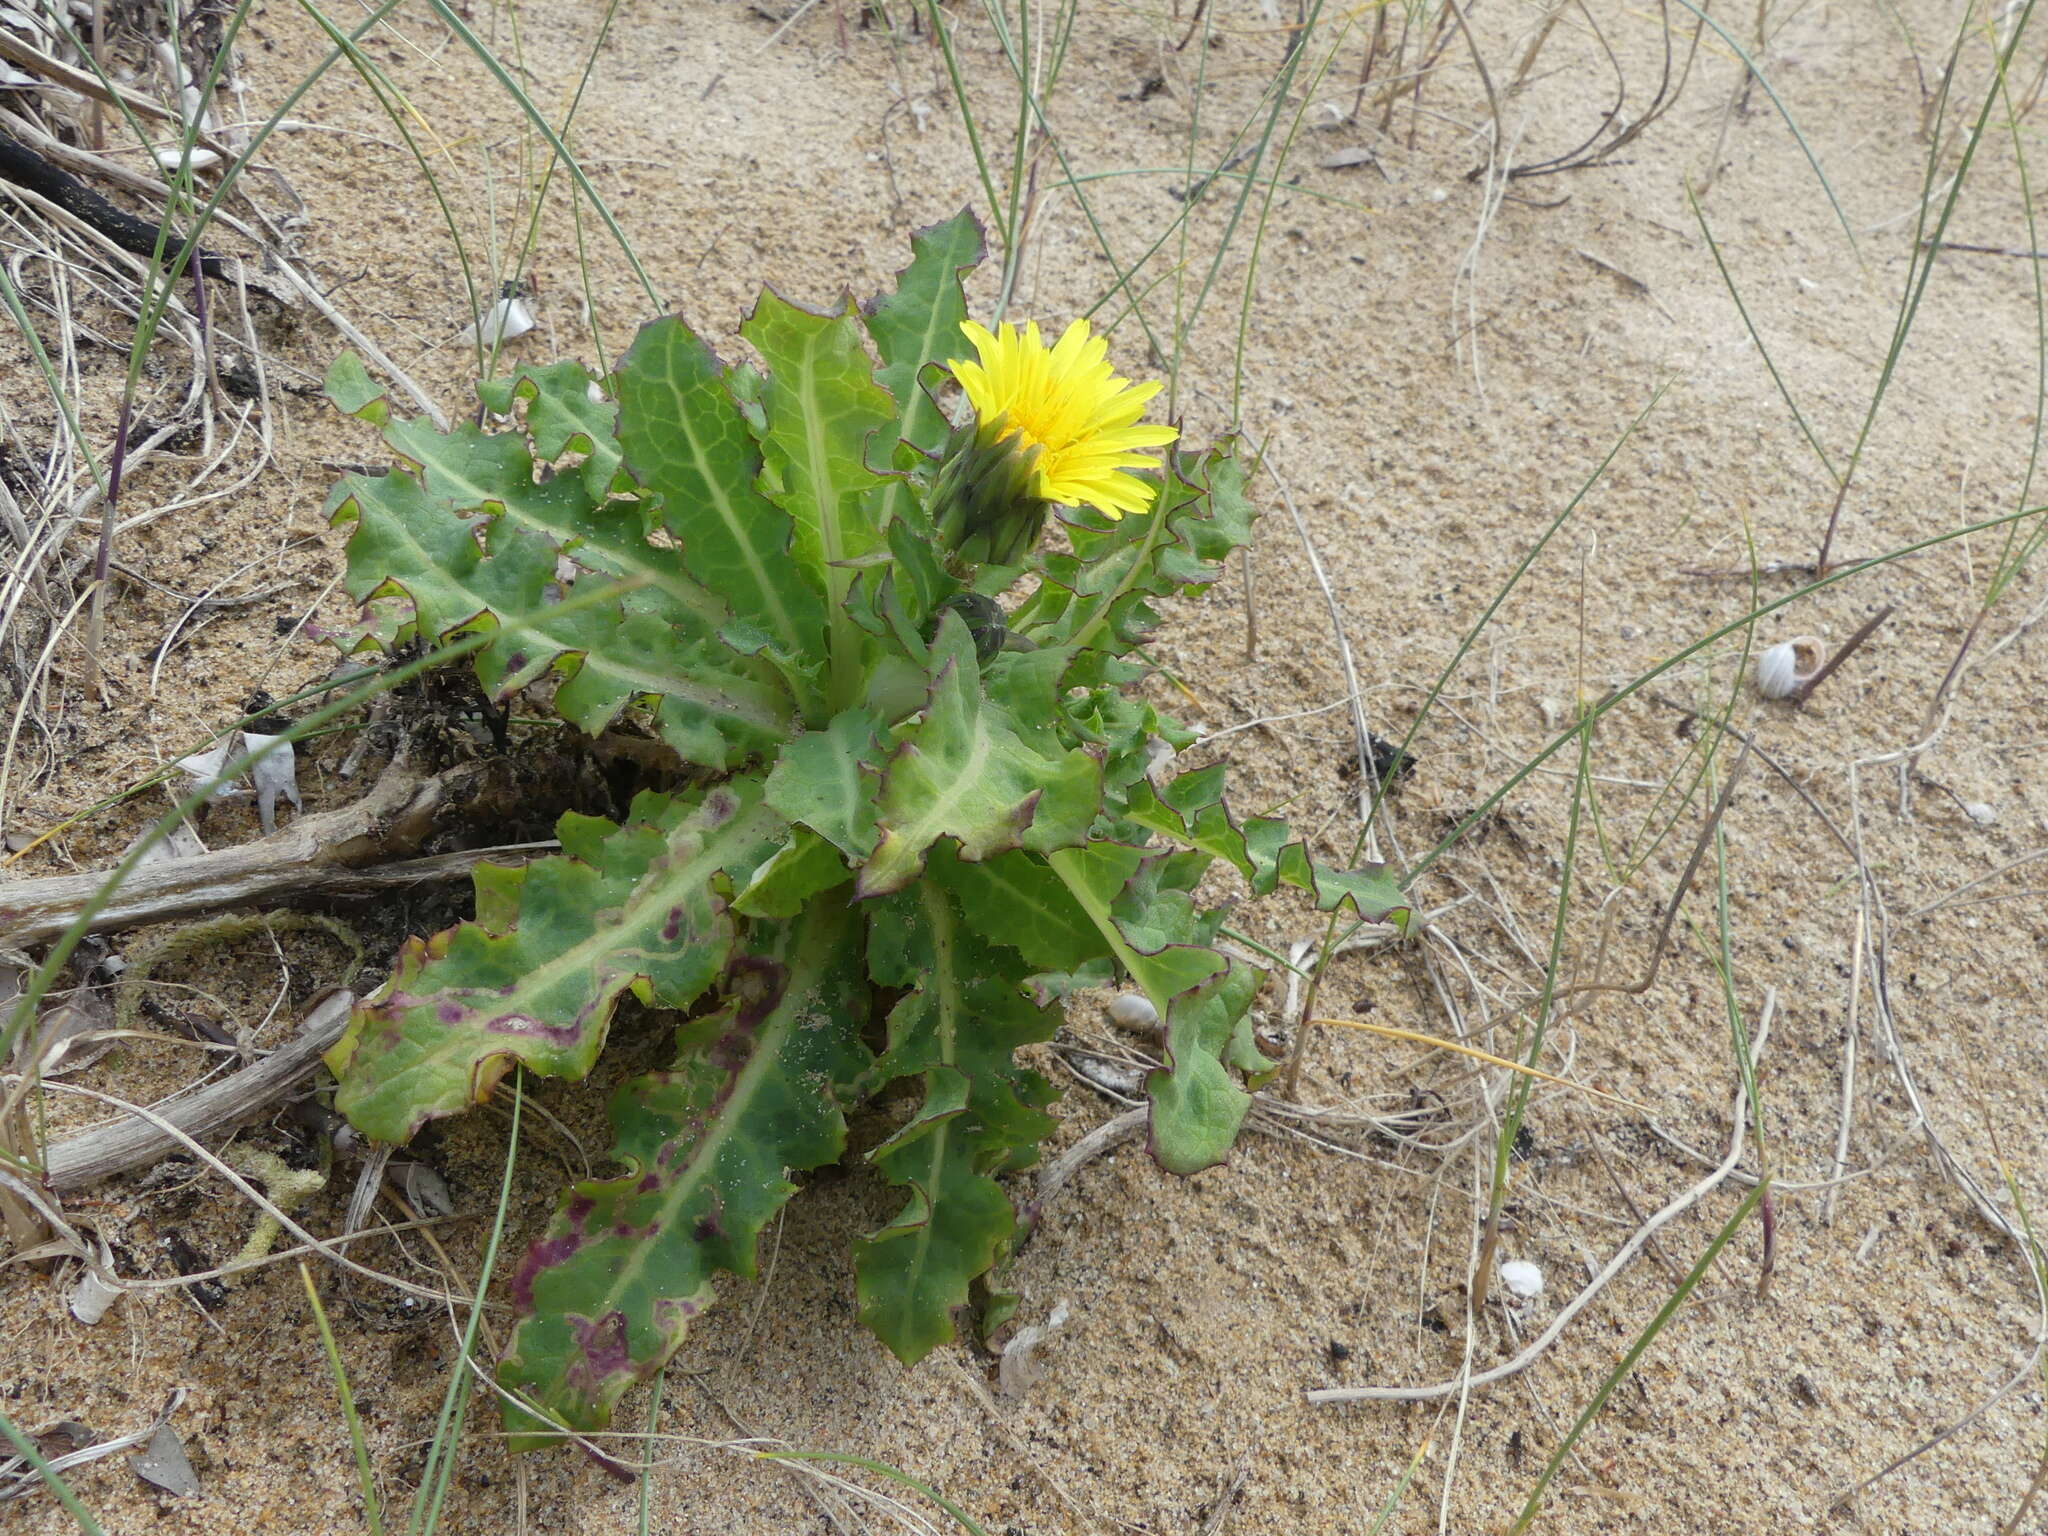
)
(59, 1489)
(373, 1514)
(1636, 1350)
(490, 61)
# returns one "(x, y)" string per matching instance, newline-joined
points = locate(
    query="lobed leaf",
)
(566, 412)
(914, 327)
(1190, 810)
(1015, 899)
(821, 407)
(686, 440)
(607, 1296)
(417, 539)
(827, 779)
(1139, 901)
(960, 770)
(640, 907)
(959, 1030)
(1100, 596)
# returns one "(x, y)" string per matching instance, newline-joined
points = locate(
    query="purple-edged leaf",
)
(961, 771)
(959, 1029)
(639, 907)
(416, 538)
(609, 1293)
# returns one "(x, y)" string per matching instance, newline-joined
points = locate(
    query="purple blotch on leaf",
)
(551, 1251)
(605, 1353)
(525, 1024)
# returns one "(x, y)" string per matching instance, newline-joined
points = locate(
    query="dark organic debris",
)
(1385, 761)
(25, 168)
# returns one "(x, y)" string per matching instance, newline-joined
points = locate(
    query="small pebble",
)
(1523, 1279)
(1979, 812)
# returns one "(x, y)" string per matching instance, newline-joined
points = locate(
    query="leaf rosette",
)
(918, 791)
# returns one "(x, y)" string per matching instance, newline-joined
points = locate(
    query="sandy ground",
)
(1431, 401)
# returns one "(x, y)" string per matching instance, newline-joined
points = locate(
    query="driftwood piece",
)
(360, 849)
(120, 1145)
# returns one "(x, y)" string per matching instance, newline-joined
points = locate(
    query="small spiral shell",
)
(1783, 669)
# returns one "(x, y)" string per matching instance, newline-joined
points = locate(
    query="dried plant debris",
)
(164, 1465)
(1021, 1370)
(68, 1037)
(274, 775)
(67, 1444)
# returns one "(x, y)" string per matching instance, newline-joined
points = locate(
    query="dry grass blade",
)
(1677, 1206)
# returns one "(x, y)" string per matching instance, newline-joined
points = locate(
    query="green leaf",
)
(982, 1114)
(827, 780)
(799, 870)
(1015, 899)
(606, 1297)
(467, 470)
(714, 706)
(639, 907)
(822, 407)
(1197, 1106)
(1101, 595)
(961, 771)
(917, 325)
(563, 417)
(1191, 811)
(1137, 903)
(684, 438)
(894, 595)
(351, 388)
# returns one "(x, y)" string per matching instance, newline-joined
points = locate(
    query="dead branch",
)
(366, 848)
(119, 1145)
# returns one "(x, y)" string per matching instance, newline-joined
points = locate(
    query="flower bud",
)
(984, 504)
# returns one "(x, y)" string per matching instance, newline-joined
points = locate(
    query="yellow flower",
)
(1068, 403)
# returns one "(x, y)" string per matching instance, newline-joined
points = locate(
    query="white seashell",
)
(170, 157)
(1787, 666)
(1134, 1010)
(1980, 812)
(504, 321)
(1523, 1279)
